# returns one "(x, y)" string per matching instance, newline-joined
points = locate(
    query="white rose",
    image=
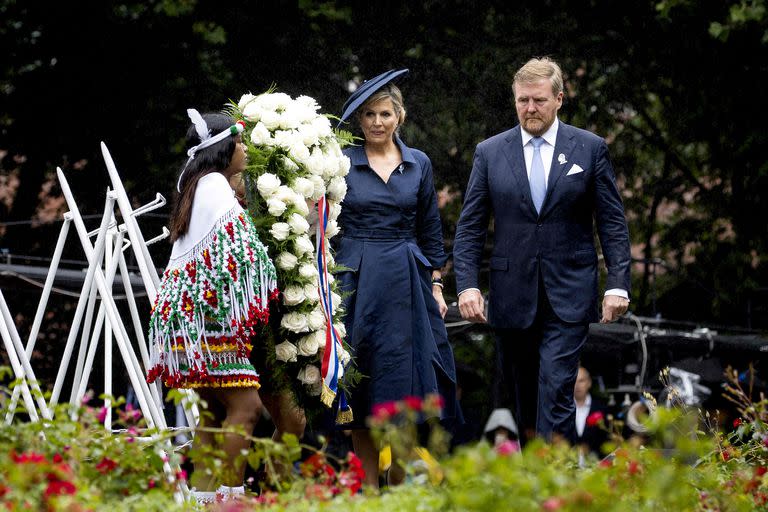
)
(286, 352)
(344, 164)
(330, 261)
(299, 152)
(316, 319)
(340, 329)
(290, 165)
(260, 135)
(266, 101)
(316, 162)
(270, 119)
(280, 230)
(335, 300)
(295, 322)
(334, 210)
(285, 194)
(281, 100)
(308, 102)
(322, 125)
(344, 356)
(332, 229)
(286, 261)
(245, 99)
(308, 271)
(319, 187)
(300, 203)
(309, 375)
(290, 118)
(303, 186)
(275, 207)
(293, 295)
(267, 184)
(311, 293)
(284, 138)
(337, 188)
(304, 245)
(298, 223)
(308, 345)
(308, 135)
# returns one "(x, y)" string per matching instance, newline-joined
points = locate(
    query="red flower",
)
(634, 467)
(151, 484)
(181, 475)
(737, 423)
(606, 463)
(58, 488)
(413, 403)
(761, 470)
(384, 411)
(106, 465)
(595, 419)
(57, 458)
(28, 458)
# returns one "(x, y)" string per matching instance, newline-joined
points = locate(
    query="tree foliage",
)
(672, 85)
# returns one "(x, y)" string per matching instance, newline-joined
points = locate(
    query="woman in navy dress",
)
(391, 247)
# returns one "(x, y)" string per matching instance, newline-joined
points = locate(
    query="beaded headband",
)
(201, 127)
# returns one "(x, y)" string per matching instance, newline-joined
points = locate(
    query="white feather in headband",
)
(201, 127)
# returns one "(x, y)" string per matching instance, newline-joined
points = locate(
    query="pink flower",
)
(102, 415)
(508, 447)
(552, 504)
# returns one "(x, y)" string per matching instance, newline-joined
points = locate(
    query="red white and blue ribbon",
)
(332, 369)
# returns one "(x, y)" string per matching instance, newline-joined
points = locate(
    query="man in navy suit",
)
(548, 186)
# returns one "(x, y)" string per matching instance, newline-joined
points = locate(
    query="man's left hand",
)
(613, 307)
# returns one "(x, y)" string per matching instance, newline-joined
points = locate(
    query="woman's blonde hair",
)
(388, 92)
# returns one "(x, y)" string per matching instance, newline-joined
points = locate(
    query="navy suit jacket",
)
(558, 244)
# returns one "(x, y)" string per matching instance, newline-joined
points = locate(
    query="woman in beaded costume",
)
(215, 292)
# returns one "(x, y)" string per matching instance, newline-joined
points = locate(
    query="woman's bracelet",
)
(437, 281)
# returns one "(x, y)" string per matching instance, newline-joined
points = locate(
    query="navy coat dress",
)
(390, 240)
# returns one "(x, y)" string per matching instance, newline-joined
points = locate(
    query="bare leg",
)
(243, 409)
(288, 417)
(366, 449)
(201, 479)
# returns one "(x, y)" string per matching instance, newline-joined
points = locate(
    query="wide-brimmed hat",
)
(368, 89)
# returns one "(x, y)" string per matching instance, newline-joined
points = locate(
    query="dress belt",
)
(379, 234)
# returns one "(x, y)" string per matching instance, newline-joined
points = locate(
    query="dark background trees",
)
(675, 87)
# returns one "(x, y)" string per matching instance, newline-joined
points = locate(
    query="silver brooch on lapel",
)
(561, 159)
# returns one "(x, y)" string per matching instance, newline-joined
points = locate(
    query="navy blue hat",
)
(368, 89)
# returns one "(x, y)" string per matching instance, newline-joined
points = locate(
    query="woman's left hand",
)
(437, 293)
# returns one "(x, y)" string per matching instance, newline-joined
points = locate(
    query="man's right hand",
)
(472, 306)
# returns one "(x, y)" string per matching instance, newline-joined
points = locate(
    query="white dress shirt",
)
(582, 411)
(547, 151)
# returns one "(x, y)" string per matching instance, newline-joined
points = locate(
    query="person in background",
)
(501, 431)
(590, 415)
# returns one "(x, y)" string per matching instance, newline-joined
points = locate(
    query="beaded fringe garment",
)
(210, 300)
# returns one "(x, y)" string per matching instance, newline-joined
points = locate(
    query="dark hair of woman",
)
(207, 160)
